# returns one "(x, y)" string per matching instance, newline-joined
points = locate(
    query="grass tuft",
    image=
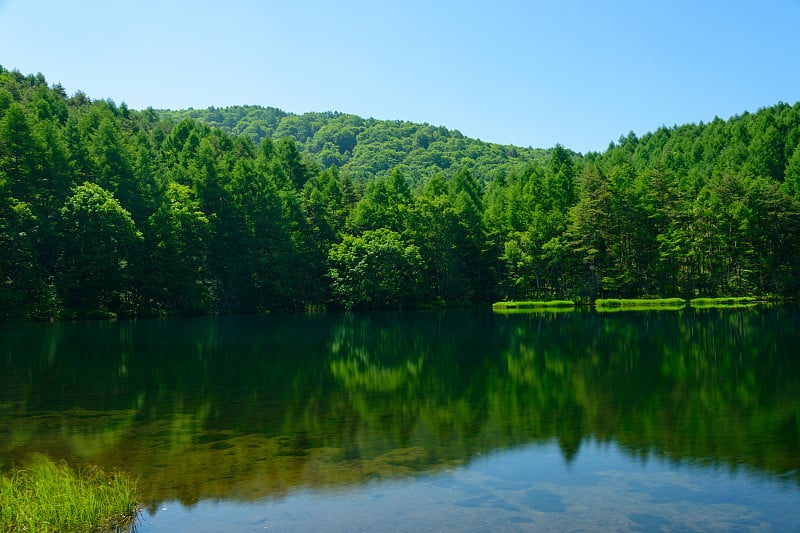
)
(46, 496)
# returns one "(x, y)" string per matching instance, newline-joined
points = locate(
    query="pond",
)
(424, 421)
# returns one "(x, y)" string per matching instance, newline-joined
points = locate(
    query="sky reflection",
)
(527, 488)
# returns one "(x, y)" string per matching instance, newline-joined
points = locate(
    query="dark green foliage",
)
(106, 210)
(98, 243)
(180, 234)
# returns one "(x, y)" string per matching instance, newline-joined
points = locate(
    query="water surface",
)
(431, 421)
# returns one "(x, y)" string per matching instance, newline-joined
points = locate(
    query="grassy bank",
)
(738, 301)
(534, 304)
(639, 304)
(532, 310)
(52, 497)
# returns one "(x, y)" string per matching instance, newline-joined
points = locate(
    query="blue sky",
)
(576, 72)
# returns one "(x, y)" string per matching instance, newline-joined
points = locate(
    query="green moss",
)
(51, 497)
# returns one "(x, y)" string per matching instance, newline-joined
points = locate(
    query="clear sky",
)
(530, 73)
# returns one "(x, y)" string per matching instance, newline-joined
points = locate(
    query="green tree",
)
(376, 269)
(99, 241)
(792, 175)
(289, 163)
(26, 289)
(180, 231)
(20, 154)
(560, 179)
(384, 205)
(588, 231)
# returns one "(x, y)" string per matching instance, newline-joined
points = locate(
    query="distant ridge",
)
(365, 148)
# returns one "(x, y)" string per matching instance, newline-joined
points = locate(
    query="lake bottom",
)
(530, 488)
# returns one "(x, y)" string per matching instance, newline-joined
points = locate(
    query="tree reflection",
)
(243, 407)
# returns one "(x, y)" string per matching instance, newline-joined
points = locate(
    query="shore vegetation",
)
(51, 497)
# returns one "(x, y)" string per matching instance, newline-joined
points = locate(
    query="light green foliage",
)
(376, 269)
(366, 148)
(99, 241)
(724, 302)
(181, 233)
(51, 497)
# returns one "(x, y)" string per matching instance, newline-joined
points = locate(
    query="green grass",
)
(734, 301)
(46, 497)
(532, 310)
(609, 309)
(638, 302)
(533, 304)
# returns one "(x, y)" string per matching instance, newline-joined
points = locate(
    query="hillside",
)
(109, 211)
(366, 148)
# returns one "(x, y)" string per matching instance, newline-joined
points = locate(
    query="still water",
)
(427, 421)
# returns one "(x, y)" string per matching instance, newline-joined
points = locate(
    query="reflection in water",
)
(520, 489)
(246, 407)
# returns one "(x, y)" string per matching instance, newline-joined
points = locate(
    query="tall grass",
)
(50, 497)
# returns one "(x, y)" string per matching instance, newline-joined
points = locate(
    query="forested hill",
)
(105, 210)
(366, 148)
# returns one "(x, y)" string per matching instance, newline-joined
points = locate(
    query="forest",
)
(108, 211)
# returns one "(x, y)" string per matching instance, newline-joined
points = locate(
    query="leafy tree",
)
(231, 225)
(99, 243)
(180, 232)
(26, 289)
(376, 269)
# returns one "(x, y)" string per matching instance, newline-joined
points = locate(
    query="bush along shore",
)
(46, 496)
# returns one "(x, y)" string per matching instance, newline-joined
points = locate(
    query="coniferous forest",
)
(109, 211)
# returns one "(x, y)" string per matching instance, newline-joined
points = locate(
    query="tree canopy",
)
(106, 210)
